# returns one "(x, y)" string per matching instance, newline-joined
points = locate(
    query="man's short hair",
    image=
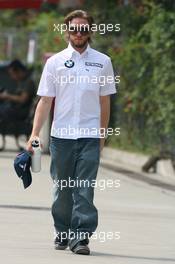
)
(79, 14)
(17, 65)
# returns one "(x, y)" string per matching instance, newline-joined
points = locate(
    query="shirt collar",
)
(72, 51)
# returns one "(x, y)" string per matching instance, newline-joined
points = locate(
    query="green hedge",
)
(146, 100)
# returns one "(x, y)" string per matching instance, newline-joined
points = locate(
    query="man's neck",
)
(80, 50)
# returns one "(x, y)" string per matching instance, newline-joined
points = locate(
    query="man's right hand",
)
(41, 113)
(29, 143)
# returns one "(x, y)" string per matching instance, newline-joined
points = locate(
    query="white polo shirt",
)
(77, 81)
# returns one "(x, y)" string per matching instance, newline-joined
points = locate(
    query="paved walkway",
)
(143, 214)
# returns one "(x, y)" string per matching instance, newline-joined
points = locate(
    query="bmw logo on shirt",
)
(69, 63)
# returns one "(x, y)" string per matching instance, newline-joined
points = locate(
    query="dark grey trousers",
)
(74, 167)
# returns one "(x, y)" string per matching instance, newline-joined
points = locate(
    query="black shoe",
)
(81, 248)
(60, 244)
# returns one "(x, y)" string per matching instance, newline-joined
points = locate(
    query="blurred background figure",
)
(16, 105)
(16, 102)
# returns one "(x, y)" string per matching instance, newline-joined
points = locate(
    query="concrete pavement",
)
(143, 214)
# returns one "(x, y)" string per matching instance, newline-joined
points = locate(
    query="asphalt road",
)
(143, 214)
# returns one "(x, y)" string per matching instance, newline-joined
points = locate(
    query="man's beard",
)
(82, 45)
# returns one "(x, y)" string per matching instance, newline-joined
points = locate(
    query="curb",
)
(130, 164)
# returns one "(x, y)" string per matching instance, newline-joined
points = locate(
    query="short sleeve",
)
(108, 86)
(47, 82)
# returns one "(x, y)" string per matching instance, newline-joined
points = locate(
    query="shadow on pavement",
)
(94, 253)
(36, 208)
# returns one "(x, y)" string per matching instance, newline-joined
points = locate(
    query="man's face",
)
(15, 75)
(79, 32)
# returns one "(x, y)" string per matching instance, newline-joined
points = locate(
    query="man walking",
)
(81, 111)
